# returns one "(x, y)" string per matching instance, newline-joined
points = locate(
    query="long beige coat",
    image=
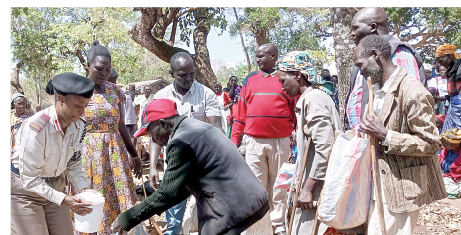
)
(409, 169)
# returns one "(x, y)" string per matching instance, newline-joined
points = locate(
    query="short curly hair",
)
(375, 42)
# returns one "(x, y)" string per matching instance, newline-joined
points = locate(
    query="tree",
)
(245, 49)
(426, 28)
(151, 32)
(257, 22)
(48, 41)
(289, 29)
(341, 18)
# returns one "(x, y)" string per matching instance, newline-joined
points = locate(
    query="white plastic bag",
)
(285, 176)
(453, 189)
(346, 194)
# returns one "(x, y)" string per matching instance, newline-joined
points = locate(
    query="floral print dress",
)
(105, 158)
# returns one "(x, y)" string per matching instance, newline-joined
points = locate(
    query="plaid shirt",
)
(403, 57)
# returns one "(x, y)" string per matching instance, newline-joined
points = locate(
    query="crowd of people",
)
(223, 148)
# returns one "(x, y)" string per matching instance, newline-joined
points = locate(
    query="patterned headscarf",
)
(16, 95)
(299, 61)
(446, 49)
(452, 136)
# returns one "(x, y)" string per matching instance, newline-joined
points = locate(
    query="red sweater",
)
(263, 109)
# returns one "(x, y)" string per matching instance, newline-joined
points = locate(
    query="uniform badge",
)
(39, 122)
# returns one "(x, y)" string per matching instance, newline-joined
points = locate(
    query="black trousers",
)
(244, 224)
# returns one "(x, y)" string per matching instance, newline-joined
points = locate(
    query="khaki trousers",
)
(32, 214)
(265, 157)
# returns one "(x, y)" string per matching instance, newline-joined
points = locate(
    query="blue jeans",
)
(174, 217)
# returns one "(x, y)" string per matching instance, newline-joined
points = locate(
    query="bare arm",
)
(136, 162)
(216, 121)
(154, 154)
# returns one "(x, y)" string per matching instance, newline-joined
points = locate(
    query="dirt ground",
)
(442, 217)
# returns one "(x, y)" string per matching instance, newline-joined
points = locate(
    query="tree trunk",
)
(15, 80)
(37, 89)
(205, 73)
(245, 49)
(154, 18)
(141, 33)
(344, 46)
(261, 34)
(39, 101)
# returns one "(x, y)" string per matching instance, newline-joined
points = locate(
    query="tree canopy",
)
(50, 40)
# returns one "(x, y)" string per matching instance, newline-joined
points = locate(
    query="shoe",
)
(281, 233)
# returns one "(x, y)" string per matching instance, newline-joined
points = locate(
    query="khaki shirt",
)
(44, 150)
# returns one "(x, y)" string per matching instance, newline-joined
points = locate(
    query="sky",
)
(230, 50)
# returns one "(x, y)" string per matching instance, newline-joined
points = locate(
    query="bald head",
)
(177, 58)
(266, 57)
(369, 20)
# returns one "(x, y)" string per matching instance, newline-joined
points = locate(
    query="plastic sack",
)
(285, 176)
(453, 189)
(346, 194)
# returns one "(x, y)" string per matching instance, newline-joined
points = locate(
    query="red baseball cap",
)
(156, 110)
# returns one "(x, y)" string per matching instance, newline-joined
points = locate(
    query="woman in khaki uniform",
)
(47, 152)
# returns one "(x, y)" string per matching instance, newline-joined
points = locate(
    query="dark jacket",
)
(203, 162)
(395, 43)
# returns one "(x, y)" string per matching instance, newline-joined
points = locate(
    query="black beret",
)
(71, 84)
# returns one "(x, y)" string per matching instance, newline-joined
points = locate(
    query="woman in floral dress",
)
(107, 145)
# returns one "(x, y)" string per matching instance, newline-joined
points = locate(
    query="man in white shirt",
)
(193, 100)
(47, 151)
(142, 100)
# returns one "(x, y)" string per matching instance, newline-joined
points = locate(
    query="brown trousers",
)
(33, 214)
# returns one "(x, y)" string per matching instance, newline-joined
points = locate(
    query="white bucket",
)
(90, 223)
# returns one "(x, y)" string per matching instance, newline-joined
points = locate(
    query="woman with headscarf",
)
(107, 144)
(448, 62)
(317, 118)
(19, 113)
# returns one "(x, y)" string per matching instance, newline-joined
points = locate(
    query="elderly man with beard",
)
(404, 127)
(374, 21)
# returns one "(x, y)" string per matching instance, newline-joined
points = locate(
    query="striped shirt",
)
(199, 102)
(403, 57)
(263, 108)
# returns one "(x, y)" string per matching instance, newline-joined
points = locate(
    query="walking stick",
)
(298, 186)
(316, 220)
(374, 161)
(154, 224)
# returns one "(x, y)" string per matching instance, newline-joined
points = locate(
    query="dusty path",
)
(440, 217)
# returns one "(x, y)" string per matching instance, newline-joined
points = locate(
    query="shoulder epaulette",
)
(39, 122)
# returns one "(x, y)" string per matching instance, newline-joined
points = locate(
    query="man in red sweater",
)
(262, 126)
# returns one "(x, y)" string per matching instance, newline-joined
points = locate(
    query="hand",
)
(305, 200)
(77, 205)
(153, 178)
(116, 228)
(136, 167)
(242, 151)
(373, 126)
